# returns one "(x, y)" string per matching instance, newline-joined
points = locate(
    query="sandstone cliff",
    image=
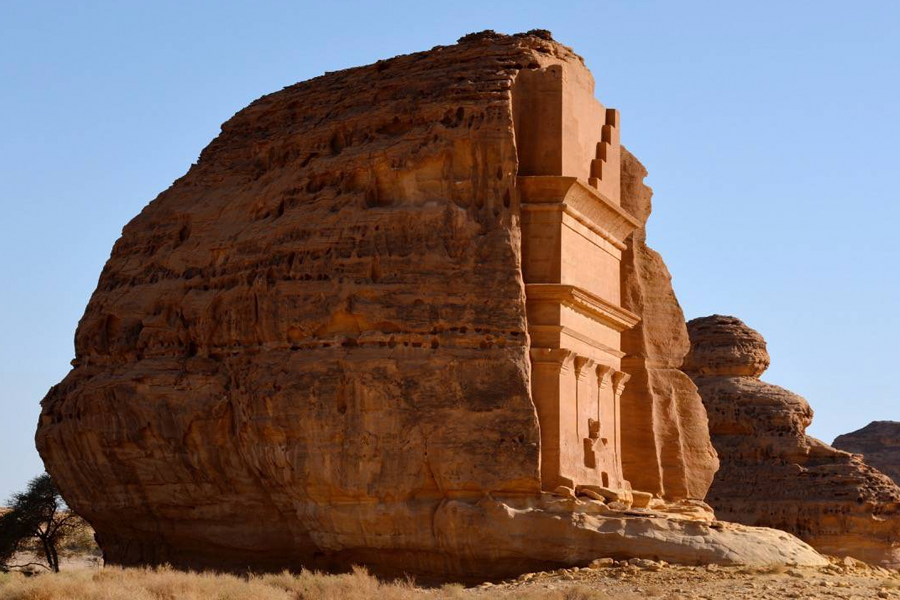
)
(772, 473)
(312, 349)
(325, 311)
(879, 443)
(666, 442)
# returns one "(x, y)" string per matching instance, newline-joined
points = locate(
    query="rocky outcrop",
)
(879, 443)
(312, 348)
(317, 334)
(568, 531)
(772, 473)
(666, 445)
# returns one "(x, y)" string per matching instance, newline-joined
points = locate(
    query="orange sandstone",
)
(879, 443)
(380, 321)
(772, 473)
(664, 423)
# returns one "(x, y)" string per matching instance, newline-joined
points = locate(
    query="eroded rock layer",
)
(666, 445)
(879, 443)
(318, 332)
(312, 349)
(772, 473)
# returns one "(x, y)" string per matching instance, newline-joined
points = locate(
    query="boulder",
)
(641, 499)
(774, 475)
(724, 346)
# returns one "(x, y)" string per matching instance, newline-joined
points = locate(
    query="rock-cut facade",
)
(391, 316)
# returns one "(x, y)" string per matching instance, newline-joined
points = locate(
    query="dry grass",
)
(578, 592)
(112, 583)
(164, 583)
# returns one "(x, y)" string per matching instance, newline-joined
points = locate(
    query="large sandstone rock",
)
(312, 349)
(879, 443)
(318, 333)
(666, 445)
(772, 473)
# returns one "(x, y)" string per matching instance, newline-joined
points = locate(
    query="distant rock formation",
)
(879, 443)
(666, 445)
(380, 322)
(772, 473)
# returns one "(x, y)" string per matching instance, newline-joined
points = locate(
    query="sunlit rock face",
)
(319, 331)
(774, 475)
(380, 321)
(879, 443)
(666, 442)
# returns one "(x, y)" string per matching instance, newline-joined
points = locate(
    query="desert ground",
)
(83, 578)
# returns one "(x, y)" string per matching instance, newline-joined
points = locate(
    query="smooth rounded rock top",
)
(725, 346)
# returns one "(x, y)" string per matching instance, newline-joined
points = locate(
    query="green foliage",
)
(36, 521)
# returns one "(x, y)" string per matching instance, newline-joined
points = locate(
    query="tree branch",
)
(36, 564)
(59, 524)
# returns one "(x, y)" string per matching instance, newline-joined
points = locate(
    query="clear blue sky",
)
(770, 130)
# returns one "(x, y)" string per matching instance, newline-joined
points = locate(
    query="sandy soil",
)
(646, 579)
(72, 562)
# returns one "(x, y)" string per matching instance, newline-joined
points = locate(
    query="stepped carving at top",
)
(381, 321)
(879, 443)
(774, 475)
(573, 234)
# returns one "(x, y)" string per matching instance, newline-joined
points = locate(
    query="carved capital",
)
(559, 358)
(604, 375)
(582, 365)
(619, 379)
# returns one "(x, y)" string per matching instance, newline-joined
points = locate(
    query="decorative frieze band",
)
(538, 332)
(584, 302)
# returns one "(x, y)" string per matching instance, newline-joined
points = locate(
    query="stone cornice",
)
(584, 302)
(580, 201)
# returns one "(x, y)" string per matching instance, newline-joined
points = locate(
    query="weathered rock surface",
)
(879, 443)
(318, 333)
(312, 350)
(772, 473)
(666, 445)
(565, 531)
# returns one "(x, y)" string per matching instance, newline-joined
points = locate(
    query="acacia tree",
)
(37, 516)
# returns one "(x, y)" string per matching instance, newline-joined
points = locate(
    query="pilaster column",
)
(619, 379)
(554, 386)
